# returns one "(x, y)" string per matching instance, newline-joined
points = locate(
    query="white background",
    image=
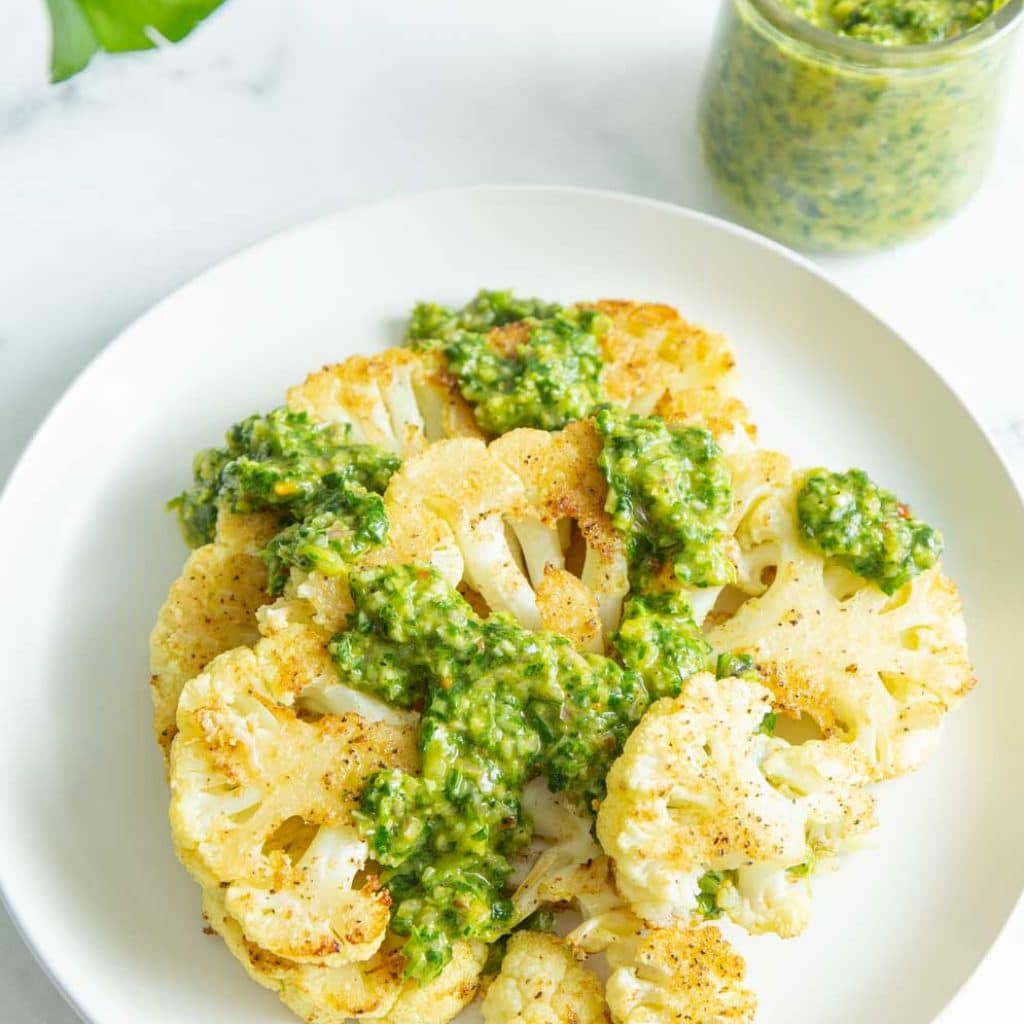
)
(127, 181)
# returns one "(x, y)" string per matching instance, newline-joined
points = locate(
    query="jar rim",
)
(866, 53)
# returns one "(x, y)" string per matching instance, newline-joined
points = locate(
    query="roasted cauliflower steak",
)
(700, 789)
(210, 608)
(877, 671)
(262, 799)
(541, 982)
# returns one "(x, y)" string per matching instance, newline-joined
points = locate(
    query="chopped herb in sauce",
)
(896, 22)
(865, 528)
(432, 325)
(669, 493)
(500, 704)
(828, 152)
(659, 640)
(324, 488)
(518, 362)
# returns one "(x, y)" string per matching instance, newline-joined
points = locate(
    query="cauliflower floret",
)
(701, 793)
(568, 866)
(678, 976)
(669, 975)
(562, 480)
(373, 990)
(541, 983)
(397, 400)
(460, 482)
(210, 608)
(262, 801)
(650, 351)
(877, 671)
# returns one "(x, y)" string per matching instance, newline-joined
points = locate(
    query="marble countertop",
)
(122, 184)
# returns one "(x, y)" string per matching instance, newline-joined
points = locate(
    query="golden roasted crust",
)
(699, 788)
(711, 408)
(562, 478)
(374, 990)
(210, 608)
(650, 351)
(569, 607)
(262, 800)
(563, 483)
(675, 975)
(542, 983)
(878, 671)
(680, 975)
(397, 399)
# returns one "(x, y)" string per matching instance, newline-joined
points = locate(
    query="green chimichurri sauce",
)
(895, 22)
(829, 151)
(547, 378)
(659, 640)
(500, 704)
(865, 528)
(325, 489)
(669, 493)
(431, 324)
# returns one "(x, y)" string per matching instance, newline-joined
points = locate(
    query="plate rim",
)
(338, 216)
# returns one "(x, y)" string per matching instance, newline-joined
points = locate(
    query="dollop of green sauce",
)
(500, 704)
(551, 378)
(896, 22)
(431, 325)
(865, 528)
(669, 493)
(659, 640)
(324, 488)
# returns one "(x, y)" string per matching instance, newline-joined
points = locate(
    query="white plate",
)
(88, 553)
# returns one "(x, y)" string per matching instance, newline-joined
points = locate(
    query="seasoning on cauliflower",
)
(461, 483)
(671, 975)
(397, 399)
(650, 352)
(262, 800)
(568, 606)
(706, 813)
(877, 671)
(564, 484)
(542, 983)
(680, 975)
(210, 608)
(374, 991)
(715, 410)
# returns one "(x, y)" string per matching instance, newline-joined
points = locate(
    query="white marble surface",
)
(124, 183)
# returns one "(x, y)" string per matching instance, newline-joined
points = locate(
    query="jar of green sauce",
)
(853, 124)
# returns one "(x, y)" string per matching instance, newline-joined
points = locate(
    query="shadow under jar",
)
(829, 142)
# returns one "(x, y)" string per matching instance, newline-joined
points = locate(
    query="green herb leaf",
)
(81, 28)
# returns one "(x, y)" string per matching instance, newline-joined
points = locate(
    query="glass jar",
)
(832, 143)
